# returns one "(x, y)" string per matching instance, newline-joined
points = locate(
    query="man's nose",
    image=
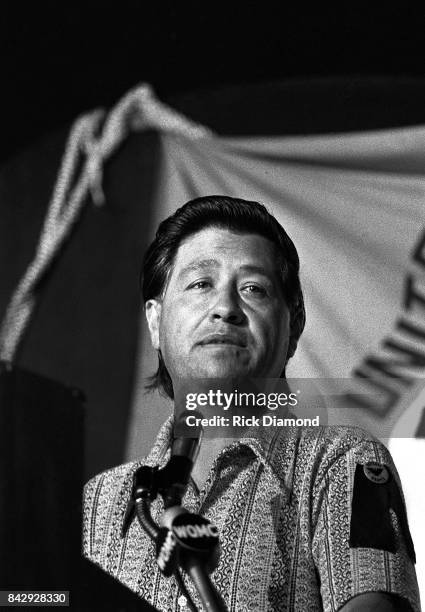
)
(227, 306)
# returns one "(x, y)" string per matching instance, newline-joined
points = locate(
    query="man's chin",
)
(224, 372)
(220, 363)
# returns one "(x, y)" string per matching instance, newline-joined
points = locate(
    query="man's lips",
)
(226, 339)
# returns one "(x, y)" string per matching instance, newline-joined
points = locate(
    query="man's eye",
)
(200, 285)
(254, 290)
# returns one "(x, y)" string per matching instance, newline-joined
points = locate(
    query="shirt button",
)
(182, 601)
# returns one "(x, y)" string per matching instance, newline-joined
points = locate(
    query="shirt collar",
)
(276, 449)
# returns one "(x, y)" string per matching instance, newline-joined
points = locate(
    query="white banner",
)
(354, 206)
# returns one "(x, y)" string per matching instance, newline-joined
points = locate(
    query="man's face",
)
(223, 313)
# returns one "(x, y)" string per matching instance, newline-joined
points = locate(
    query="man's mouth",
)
(226, 339)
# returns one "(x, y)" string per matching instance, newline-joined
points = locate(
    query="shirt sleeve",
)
(90, 523)
(361, 539)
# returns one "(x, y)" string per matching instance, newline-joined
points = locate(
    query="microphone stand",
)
(186, 541)
(210, 597)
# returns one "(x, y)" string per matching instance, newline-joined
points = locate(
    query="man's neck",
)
(209, 451)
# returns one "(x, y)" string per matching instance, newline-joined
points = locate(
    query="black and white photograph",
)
(212, 307)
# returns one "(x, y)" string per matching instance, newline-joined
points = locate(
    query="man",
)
(306, 521)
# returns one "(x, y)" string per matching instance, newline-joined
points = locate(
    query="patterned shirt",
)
(282, 504)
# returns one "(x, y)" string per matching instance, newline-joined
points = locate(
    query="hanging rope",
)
(138, 110)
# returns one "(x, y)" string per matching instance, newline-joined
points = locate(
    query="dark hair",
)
(236, 215)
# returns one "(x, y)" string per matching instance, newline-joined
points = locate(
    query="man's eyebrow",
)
(255, 268)
(198, 264)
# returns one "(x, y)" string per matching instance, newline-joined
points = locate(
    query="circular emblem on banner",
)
(376, 472)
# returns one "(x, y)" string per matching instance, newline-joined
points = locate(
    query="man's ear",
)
(153, 317)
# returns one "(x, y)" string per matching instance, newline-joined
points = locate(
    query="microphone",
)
(171, 481)
(184, 540)
(184, 452)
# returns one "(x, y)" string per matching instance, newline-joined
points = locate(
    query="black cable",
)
(145, 519)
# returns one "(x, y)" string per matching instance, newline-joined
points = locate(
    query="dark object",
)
(100, 591)
(41, 478)
(371, 525)
(144, 490)
(420, 432)
(190, 543)
(166, 551)
(41, 481)
(176, 474)
(170, 482)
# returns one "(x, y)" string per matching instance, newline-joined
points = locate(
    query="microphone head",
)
(187, 439)
(186, 447)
